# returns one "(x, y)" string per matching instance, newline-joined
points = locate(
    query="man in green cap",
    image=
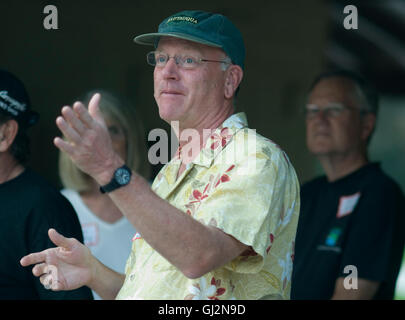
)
(220, 219)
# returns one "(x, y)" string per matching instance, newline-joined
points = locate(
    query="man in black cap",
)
(219, 221)
(29, 206)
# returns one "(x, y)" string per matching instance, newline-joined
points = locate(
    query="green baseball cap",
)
(207, 28)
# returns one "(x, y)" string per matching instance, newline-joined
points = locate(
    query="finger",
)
(67, 130)
(33, 258)
(50, 283)
(52, 271)
(73, 118)
(46, 281)
(84, 114)
(94, 108)
(63, 146)
(39, 269)
(60, 240)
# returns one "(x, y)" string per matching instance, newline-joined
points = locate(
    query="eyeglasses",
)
(331, 111)
(159, 59)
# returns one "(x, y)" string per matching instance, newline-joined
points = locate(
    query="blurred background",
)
(288, 43)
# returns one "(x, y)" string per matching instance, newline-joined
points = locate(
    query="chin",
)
(168, 115)
(320, 153)
(319, 149)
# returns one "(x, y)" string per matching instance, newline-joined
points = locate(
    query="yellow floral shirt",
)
(243, 184)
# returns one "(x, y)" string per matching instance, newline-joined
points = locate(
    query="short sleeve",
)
(253, 200)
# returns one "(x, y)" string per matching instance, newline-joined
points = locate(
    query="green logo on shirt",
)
(333, 237)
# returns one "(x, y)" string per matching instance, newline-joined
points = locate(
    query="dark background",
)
(287, 42)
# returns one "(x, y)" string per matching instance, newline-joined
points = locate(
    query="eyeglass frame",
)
(327, 111)
(180, 60)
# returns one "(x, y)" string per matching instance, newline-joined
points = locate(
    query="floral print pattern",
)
(271, 242)
(202, 291)
(220, 139)
(197, 196)
(256, 203)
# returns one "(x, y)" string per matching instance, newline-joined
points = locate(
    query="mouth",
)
(321, 133)
(171, 93)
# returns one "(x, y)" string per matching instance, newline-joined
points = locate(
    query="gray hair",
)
(368, 95)
(226, 63)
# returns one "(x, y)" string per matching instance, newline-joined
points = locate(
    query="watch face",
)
(122, 176)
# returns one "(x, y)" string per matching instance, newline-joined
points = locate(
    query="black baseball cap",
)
(207, 28)
(14, 100)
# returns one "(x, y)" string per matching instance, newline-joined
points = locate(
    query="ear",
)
(234, 75)
(8, 132)
(369, 120)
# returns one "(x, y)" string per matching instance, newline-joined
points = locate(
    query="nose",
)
(319, 119)
(170, 70)
(322, 115)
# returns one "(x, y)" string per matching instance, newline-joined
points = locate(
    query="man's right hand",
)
(67, 267)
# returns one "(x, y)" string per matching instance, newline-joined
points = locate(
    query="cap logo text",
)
(12, 102)
(180, 19)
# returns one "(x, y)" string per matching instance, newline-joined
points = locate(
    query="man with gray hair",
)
(208, 228)
(350, 240)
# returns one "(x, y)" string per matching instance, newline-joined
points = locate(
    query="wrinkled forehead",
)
(167, 44)
(334, 90)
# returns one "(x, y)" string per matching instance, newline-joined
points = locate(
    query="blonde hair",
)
(118, 109)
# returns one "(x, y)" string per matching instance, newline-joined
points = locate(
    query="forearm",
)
(186, 243)
(364, 290)
(183, 241)
(105, 281)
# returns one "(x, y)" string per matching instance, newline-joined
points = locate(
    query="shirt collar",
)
(220, 138)
(214, 145)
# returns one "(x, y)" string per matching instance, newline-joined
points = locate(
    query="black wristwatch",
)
(121, 178)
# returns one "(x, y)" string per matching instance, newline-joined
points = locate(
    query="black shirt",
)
(358, 221)
(29, 206)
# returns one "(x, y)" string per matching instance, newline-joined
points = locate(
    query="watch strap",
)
(114, 184)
